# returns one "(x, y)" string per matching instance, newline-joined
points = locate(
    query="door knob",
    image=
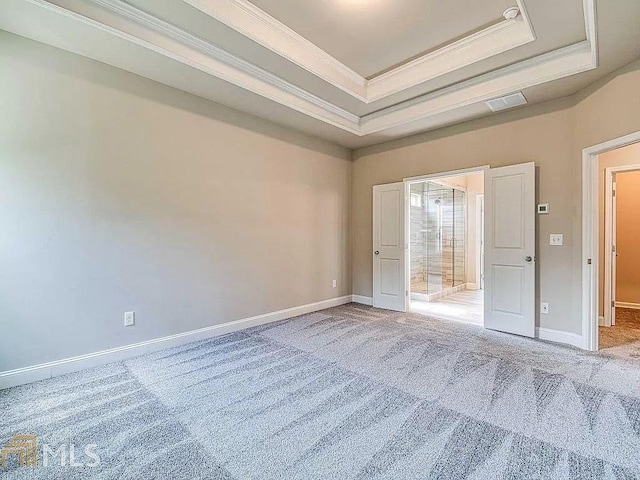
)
(377, 252)
(528, 258)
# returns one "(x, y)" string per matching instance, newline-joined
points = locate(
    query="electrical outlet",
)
(544, 308)
(556, 239)
(129, 319)
(335, 283)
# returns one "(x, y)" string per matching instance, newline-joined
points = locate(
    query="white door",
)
(388, 247)
(509, 287)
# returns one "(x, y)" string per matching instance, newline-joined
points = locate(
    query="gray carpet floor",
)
(347, 393)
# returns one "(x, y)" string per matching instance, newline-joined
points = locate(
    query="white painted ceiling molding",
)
(73, 24)
(256, 24)
(544, 68)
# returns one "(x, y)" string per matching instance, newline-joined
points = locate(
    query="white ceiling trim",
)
(252, 22)
(544, 68)
(494, 40)
(128, 23)
(161, 37)
(256, 24)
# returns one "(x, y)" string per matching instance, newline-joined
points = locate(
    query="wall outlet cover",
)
(556, 239)
(129, 319)
(544, 308)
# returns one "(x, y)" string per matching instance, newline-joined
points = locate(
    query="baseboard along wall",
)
(21, 376)
(633, 306)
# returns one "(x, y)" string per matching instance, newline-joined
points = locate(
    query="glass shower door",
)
(438, 237)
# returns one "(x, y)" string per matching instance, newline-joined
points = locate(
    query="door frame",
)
(479, 260)
(408, 181)
(609, 229)
(590, 243)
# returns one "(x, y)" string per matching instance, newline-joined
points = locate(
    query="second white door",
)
(389, 290)
(509, 287)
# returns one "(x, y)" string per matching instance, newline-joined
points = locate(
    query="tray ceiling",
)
(342, 69)
(373, 36)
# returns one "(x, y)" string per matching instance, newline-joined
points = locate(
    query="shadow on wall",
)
(55, 60)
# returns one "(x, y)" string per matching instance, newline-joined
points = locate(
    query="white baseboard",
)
(548, 334)
(634, 306)
(20, 376)
(559, 336)
(472, 286)
(420, 297)
(363, 300)
(601, 322)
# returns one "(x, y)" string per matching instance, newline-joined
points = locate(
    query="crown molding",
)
(126, 22)
(493, 40)
(256, 24)
(545, 68)
(161, 37)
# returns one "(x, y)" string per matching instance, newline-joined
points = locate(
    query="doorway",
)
(444, 253)
(619, 283)
(509, 246)
(593, 242)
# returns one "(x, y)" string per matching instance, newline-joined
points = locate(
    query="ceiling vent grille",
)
(509, 101)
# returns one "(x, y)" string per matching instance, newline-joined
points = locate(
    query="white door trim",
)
(479, 240)
(609, 226)
(453, 173)
(590, 235)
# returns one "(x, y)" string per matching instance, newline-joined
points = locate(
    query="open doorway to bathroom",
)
(446, 231)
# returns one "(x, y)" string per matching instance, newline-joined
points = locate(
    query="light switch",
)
(556, 239)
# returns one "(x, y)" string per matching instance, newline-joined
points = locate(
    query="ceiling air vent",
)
(509, 101)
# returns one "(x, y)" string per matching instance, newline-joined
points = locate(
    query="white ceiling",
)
(373, 36)
(303, 64)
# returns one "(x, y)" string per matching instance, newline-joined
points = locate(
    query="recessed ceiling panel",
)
(554, 27)
(371, 36)
(232, 52)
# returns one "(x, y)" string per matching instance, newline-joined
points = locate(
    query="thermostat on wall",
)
(543, 208)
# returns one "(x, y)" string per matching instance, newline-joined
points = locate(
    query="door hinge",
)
(588, 261)
(406, 293)
(613, 248)
(613, 303)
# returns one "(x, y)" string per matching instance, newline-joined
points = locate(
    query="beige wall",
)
(623, 156)
(628, 240)
(552, 135)
(118, 193)
(475, 187)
